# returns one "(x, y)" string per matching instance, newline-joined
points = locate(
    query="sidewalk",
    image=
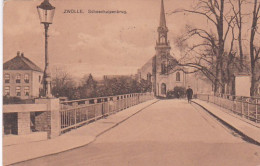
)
(248, 129)
(73, 139)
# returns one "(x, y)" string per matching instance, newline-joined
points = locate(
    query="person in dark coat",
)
(189, 94)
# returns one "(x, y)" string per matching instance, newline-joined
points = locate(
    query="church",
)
(162, 69)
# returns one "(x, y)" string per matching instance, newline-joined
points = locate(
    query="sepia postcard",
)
(131, 83)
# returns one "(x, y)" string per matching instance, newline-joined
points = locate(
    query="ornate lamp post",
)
(46, 13)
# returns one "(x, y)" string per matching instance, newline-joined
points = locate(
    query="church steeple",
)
(162, 29)
(162, 16)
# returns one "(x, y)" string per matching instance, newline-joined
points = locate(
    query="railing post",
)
(242, 108)
(248, 111)
(115, 101)
(125, 101)
(75, 117)
(87, 112)
(256, 111)
(95, 109)
(102, 107)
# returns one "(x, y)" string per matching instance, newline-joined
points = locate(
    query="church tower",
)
(162, 29)
(160, 60)
(162, 44)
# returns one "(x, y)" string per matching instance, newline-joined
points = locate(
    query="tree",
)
(63, 84)
(254, 48)
(89, 87)
(209, 52)
(237, 11)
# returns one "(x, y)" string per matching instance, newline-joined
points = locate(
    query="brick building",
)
(22, 78)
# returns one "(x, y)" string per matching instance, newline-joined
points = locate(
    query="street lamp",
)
(46, 13)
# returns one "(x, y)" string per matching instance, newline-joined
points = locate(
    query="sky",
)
(83, 43)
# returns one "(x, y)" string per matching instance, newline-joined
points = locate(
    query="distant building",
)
(22, 78)
(199, 83)
(162, 69)
(118, 76)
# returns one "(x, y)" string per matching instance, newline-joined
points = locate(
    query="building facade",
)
(162, 69)
(22, 78)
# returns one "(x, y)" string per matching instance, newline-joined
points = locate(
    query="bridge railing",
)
(247, 107)
(76, 113)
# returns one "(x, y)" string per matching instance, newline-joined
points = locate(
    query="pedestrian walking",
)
(178, 95)
(189, 94)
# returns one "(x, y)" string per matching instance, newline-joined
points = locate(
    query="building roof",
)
(117, 76)
(20, 62)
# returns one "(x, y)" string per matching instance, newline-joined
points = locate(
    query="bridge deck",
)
(169, 132)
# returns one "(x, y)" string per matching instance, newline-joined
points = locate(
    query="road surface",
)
(169, 132)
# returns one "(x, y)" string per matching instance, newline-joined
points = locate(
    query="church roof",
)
(172, 62)
(21, 63)
(162, 16)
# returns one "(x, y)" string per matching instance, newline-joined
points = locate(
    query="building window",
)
(26, 78)
(27, 91)
(18, 91)
(18, 78)
(178, 76)
(163, 89)
(7, 90)
(163, 67)
(39, 78)
(7, 78)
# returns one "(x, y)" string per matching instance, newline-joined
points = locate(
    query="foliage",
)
(122, 85)
(177, 92)
(15, 100)
(64, 86)
(89, 87)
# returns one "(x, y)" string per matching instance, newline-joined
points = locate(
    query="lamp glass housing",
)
(46, 12)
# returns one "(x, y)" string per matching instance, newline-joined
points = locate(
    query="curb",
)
(243, 135)
(94, 138)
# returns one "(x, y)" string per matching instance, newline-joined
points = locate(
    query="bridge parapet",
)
(22, 119)
(246, 107)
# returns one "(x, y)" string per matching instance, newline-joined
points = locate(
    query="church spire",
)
(162, 29)
(162, 16)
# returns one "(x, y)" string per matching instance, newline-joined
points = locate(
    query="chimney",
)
(22, 55)
(18, 53)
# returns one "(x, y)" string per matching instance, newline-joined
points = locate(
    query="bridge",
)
(138, 129)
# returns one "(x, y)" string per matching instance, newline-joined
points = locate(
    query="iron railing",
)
(76, 113)
(247, 107)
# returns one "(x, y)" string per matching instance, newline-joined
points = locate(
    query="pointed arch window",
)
(163, 89)
(178, 76)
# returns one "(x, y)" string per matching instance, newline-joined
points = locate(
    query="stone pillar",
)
(24, 123)
(53, 117)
